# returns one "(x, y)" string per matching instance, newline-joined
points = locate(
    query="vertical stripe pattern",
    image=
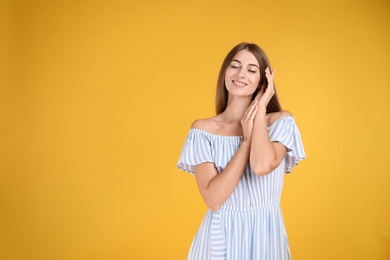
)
(249, 224)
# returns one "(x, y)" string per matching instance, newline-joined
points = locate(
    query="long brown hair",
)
(222, 93)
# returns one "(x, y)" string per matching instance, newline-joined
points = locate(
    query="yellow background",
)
(96, 99)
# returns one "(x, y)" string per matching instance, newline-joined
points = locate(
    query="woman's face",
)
(242, 77)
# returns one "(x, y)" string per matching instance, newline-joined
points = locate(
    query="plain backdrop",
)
(97, 97)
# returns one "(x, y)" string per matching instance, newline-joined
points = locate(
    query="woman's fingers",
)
(250, 112)
(250, 109)
(248, 118)
(270, 90)
(270, 76)
(267, 90)
(253, 112)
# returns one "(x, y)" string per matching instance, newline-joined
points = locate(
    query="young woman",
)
(239, 158)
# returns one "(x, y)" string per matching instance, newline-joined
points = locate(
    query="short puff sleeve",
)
(196, 150)
(285, 131)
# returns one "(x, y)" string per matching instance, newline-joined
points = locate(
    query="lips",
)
(239, 84)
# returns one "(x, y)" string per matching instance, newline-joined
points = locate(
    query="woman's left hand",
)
(266, 91)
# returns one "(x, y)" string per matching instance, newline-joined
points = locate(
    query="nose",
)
(241, 73)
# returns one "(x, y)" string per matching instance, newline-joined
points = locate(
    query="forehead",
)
(245, 56)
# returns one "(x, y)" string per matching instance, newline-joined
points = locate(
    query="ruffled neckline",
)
(234, 136)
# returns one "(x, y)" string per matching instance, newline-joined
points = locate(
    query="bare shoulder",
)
(206, 124)
(272, 117)
(218, 125)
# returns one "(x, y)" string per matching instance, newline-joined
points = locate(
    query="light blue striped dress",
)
(249, 225)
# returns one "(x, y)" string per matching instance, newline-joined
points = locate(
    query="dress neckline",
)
(237, 136)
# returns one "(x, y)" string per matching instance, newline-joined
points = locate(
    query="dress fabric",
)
(249, 225)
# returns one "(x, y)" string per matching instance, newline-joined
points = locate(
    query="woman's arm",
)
(265, 155)
(216, 188)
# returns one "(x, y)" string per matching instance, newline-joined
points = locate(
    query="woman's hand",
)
(247, 120)
(266, 93)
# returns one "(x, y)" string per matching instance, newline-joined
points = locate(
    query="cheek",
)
(228, 73)
(256, 80)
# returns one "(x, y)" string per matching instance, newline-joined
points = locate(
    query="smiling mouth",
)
(239, 84)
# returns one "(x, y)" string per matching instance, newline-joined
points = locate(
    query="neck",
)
(236, 108)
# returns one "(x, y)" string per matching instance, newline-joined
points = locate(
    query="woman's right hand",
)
(266, 92)
(247, 120)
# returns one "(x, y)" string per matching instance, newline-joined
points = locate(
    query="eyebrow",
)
(248, 64)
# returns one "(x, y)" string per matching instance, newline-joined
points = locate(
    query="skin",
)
(242, 117)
